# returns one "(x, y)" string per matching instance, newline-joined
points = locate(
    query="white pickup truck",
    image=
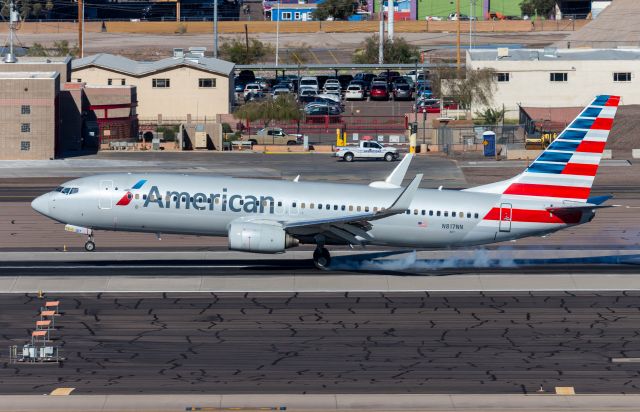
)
(367, 150)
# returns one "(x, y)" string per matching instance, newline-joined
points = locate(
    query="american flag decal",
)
(422, 224)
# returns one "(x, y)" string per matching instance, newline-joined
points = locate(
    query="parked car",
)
(279, 91)
(275, 135)
(402, 91)
(428, 106)
(379, 92)
(332, 80)
(332, 89)
(309, 82)
(354, 92)
(252, 88)
(314, 109)
(365, 86)
(345, 80)
(367, 150)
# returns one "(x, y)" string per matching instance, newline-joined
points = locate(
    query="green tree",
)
(37, 50)
(396, 51)
(539, 7)
(336, 9)
(468, 88)
(282, 108)
(62, 48)
(237, 51)
(491, 116)
(27, 8)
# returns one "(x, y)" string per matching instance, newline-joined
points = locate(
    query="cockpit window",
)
(67, 190)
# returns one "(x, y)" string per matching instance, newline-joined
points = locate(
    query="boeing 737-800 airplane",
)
(270, 216)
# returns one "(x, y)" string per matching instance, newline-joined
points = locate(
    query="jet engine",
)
(259, 238)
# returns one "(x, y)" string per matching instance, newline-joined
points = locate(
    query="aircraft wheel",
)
(89, 246)
(322, 258)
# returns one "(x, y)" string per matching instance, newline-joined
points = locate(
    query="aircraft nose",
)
(41, 204)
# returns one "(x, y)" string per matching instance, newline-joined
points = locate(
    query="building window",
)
(296, 16)
(286, 15)
(25, 127)
(206, 83)
(161, 83)
(558, 77)
(502, 77)
(25, 145)
(622, 77)
(25, 109)
(79, 80)
(111, 82)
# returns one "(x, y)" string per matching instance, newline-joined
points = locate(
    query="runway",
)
(330, 343)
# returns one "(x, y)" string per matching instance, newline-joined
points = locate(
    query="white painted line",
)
(625, 360)
(132, 267)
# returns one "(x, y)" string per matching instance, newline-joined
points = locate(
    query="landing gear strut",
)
(90, 246)
(321, 258)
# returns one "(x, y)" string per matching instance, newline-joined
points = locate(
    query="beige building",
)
(558, 77)
(29, 108)
(172, 89)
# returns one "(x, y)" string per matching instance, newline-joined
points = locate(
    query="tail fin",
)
(566, 169)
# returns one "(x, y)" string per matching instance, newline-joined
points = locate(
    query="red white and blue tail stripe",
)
(567, 168)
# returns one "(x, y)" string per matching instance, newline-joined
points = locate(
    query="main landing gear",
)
(321, 256)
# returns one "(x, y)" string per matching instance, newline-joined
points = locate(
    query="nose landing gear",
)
(90, 246)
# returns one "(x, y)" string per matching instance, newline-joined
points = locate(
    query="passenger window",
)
(302, 205)
(279, 204)
(366, 208)
(446, 214)
(335, 207)
(407, 212)
(328, 207)
(415, 211)
(350, 208)
(217, 201)
(293, 204)
(461, 214)
(137, 196)
(343, 207)
(453, 214)
(438, 213)
(424, 212)
(430, 212)
(319, 205)
(375, 209)
(475, 215)
(145, 198)
(358, 208)
(468, 215)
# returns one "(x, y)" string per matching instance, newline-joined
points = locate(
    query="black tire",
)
(348, 157)
(322, 258)
(292, 143)
(89, 246)
(388, 156)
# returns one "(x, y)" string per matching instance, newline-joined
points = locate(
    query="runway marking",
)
(62, 391)
(625, 360)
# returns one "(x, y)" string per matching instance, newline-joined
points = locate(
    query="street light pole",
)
(458, 35)
(215, 28)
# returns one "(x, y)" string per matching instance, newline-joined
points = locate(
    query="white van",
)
(309, 83)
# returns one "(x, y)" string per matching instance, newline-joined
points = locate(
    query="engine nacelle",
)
(259, 238)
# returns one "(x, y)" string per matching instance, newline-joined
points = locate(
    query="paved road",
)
(330, 343)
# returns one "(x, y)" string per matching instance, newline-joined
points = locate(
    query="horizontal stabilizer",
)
(577, 208)
(394, 180)
(598, 200)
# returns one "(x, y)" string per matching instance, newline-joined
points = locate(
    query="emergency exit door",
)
(505, 217)
(106, 194)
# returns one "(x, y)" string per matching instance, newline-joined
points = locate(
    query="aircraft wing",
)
(350, 228)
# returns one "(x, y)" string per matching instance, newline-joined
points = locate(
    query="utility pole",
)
(381, 34)
(458, 34)
(390, 19)
(178, 11)
(215, 28)
(277, 35)
(81, 26)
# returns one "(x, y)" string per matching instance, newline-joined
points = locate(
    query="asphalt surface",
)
(329, 343)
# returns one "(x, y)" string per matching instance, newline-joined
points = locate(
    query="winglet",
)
(394, 180)
(403, 201)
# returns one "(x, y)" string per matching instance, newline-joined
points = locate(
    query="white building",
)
(558, 78)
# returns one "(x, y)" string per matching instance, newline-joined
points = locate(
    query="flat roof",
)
(552, 54)
(142, 68)
(28, 75)
(38, 60)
